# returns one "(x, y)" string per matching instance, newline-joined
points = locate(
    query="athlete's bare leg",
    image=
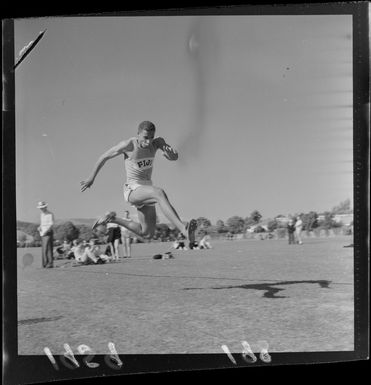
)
(145, 195)
(147, 222)
(134, 227)
(147, 218)
(126, 246)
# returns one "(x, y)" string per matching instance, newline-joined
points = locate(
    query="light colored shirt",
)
(139, 161)
(299, 224)
(46, 222)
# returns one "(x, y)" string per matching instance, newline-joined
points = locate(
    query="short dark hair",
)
(147, 126)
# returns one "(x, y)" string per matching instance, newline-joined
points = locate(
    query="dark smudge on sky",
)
(202, 49)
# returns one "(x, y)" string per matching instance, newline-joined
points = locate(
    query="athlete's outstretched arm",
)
(120, 148)
(168, 152)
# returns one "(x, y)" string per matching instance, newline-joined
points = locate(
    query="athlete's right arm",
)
(118, 149)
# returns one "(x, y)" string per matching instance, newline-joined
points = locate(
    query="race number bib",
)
(144, 164)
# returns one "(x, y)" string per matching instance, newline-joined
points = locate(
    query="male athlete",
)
(139, 153)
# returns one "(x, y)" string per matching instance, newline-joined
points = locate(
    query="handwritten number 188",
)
(248, 355)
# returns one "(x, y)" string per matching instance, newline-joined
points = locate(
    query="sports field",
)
(295, 297)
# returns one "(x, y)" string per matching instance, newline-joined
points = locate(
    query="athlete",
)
(139, 153)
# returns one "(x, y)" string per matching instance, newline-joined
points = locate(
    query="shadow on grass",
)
(30, 321)
(269, 290)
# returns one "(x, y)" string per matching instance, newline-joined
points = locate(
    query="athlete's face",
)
(145, 138)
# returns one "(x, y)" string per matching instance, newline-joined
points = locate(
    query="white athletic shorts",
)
(132, 186)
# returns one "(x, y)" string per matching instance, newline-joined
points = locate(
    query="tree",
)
(256, 216)
(21, 238)
(30, 229)
(221, 227)
(328, 222)
(259, 229)
(272, 225)
(203, 222)
(235, 224)
(85, 232)
(162, 230)
(253, 219)
(248, 222)
(66, 231)
(342, 208)
(310, 221)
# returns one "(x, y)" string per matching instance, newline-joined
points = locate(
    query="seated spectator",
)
(70, 254)
(205, 241)
(62, 251)
(85, 255)
(179, 243)
(193, 245)
(94, 249)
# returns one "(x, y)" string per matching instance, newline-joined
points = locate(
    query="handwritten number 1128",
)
(69, 361)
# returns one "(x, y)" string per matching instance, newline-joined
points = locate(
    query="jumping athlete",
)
(139, 153)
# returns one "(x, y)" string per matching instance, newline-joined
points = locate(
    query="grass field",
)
(295, 297)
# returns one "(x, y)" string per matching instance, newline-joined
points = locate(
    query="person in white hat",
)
(46, 232)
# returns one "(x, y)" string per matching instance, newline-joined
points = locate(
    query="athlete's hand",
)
(169, 153)
(86, 184)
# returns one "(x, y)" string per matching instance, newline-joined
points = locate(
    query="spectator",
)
(179, 243)
(205, 241)
(64, 249)
(126, 236)
(94, 249)
(86, 255)
(114, 236)
(230, 236)
(298, 230)
(193, 245)
(70, 254)
(46, 232)
(291, 232)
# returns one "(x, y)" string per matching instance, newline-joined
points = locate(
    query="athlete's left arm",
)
(167, 151)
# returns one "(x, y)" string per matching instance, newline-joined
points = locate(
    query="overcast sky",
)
(259, 108)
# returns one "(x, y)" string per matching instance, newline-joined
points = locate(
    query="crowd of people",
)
(203, 244)
(118, 241)
(82, 251)
(117, 245)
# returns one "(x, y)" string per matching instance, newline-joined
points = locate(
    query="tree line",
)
(235, 224)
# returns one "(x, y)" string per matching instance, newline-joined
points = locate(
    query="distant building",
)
(345, 219)
(282, 220)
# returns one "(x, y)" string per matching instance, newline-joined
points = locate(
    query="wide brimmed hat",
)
(42, 204)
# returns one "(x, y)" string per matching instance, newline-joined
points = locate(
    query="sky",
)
(259, 108)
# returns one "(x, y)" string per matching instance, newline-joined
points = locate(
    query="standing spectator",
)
(298, 230)
(114, 236)
(126, 236)
(46, 232)
(291, 232)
